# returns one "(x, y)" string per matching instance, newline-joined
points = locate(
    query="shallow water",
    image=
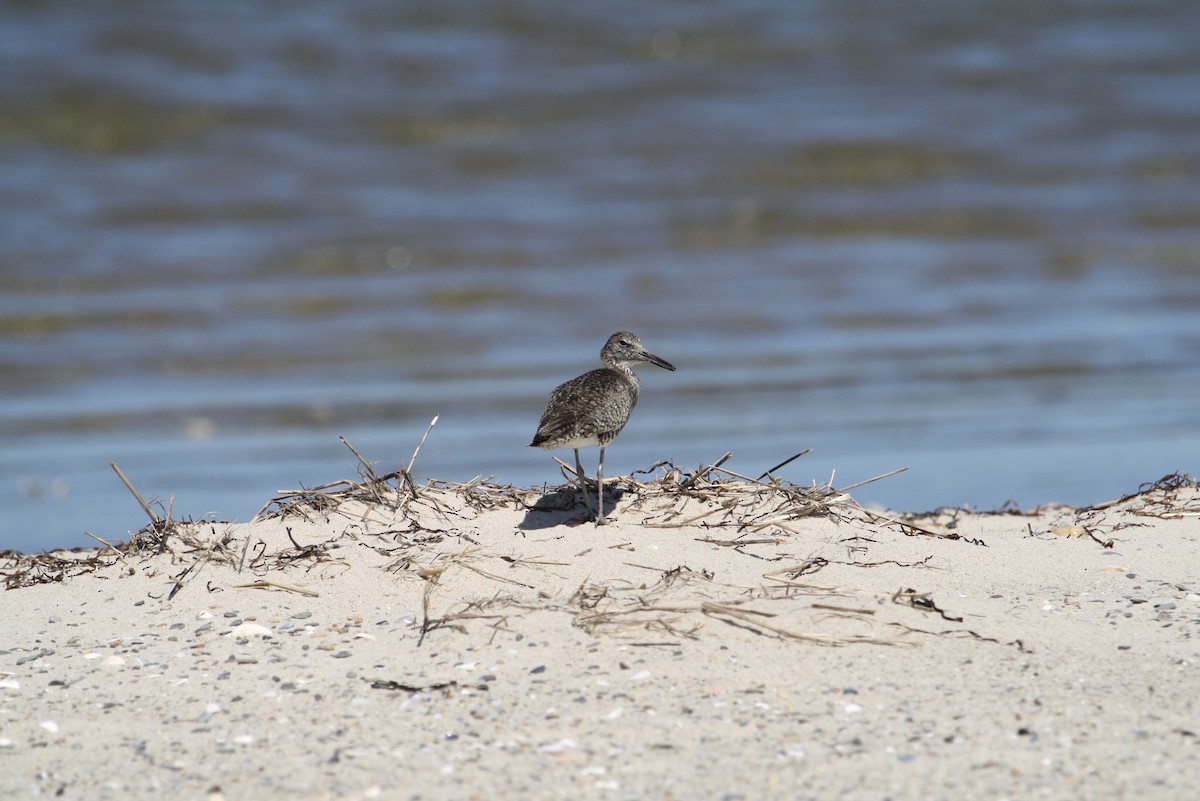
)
(959, 238)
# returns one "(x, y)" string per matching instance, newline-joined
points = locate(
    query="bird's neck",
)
(624, 369)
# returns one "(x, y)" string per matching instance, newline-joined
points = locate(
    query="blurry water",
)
(959, 237)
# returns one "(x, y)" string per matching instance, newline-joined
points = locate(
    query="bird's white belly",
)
(581, 441)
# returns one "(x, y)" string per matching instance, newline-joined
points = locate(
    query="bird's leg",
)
(579, 479)
(600, 489)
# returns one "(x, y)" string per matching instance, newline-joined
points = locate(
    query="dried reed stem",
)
(154, 518)
(105, 542)
(412, 461)
(784, 463)
(264, 584)
(365, 464)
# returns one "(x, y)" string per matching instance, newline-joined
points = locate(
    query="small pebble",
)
(341, 655)
(302, 615)
(50, 726)
(55, 619)
(31, 657)
(1164, 607)
(539, 669)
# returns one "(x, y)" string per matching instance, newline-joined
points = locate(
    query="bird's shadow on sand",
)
(564, 506)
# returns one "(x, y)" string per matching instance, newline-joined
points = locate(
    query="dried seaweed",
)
(1162, 499)
(443, 687)
(922, 601)
(27, 570)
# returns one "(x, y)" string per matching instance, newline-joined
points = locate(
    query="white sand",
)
(630, 661)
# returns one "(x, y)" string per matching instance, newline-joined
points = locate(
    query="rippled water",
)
(963, 238)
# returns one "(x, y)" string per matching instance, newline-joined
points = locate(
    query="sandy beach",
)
(719, 638)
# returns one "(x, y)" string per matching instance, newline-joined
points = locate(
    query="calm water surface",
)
(962, 238)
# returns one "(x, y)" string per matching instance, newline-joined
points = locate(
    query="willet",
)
(593, 408)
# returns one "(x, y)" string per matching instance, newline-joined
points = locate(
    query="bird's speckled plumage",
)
(593, 408)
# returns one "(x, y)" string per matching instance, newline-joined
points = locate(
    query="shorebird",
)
(593, 408)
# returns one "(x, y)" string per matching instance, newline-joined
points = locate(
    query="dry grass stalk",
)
(784, 463)
(154, 519)
(108, 545)
(413, 460)
(266, 585)
(755, 620)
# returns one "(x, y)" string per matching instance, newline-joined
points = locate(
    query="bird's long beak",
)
(663, 363)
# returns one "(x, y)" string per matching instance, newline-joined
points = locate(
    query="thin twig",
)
(111, 547)
(366, 465)
(784, 463)
(870, 480)
(740, 543)
(263, 585)
(493, 576)
(408, 471)
(242, 561)
(699, 474)
(154, 518)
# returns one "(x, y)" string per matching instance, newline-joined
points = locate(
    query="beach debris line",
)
(391, 490)
(1171, 497)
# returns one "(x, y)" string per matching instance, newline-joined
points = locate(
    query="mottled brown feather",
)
(593, 408)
